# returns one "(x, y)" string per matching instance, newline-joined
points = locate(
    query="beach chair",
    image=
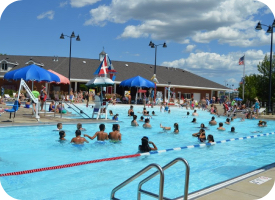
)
(261, 110)
(13, 109)
(7, 97)
(118, 100)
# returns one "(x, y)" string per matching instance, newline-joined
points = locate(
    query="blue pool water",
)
(31, 147)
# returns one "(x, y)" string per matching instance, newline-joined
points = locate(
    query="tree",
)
(257, 85)
(2, 54)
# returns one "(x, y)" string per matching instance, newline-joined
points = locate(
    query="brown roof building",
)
(183, 83)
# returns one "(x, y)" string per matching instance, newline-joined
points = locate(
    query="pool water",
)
(31, 147)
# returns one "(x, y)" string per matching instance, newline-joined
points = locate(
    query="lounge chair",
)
(13, 109)
(261, 110)
(7, 97)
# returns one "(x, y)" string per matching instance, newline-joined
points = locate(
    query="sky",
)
(205, 37)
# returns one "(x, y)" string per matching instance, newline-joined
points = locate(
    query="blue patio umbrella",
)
(32, 73)
(238, 99)
(137, 81)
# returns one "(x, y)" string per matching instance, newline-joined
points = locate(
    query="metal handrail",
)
(164, 168)
(80, 113)
(161, 182)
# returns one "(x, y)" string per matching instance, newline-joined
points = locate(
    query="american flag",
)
(241, 61)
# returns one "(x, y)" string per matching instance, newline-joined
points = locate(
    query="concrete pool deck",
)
(243, 189)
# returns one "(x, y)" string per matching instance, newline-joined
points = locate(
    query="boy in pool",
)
(194, 120)
(213, 121)
(115, 134)
(101, 135)
(146, 124)
(79, 127)
(141, 118)
(232, 129)
(195, 113)
(62, 135)
(78, 139)
(131, 111)
(221, 128)
(59, 126)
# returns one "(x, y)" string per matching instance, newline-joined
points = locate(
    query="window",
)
(4, 66)
(187, 95)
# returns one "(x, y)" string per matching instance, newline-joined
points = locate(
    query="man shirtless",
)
(213, 121)
(115, 135)
(78, 139)
(101, 135)
(130, 111)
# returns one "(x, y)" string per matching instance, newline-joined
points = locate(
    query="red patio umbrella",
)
(63, 79)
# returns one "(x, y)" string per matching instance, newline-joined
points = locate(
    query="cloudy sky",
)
(206, 37)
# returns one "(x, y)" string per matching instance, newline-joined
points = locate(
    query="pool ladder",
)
(80, 111)
(160, 170)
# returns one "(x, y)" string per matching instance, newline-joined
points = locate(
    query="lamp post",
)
(169, 83)
(152, 45)
(70, 57)
(269, 30)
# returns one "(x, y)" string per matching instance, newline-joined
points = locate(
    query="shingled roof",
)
(83, 68)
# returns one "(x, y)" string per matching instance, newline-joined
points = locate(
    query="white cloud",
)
(190, 48)
(62, 4)
(48, 14)
(177, 20)
(217, 65)
(82, 3)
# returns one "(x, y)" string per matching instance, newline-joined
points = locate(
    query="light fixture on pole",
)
(269, 30)
(154, 78)
(70, 57)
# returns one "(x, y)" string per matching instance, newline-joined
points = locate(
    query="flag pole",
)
(243, 73)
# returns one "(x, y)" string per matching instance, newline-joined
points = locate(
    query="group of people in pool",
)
(101, 135)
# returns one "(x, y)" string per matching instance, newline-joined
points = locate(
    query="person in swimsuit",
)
(62, 135)
(79, 127)
(195, 113)
(59, 126)
(165, 128)
(101, 135)
(202, 136)
(213, 121)
(221, 128)
(134, 121)
(227, 121)
(210, 138)
(176, 128)
(130, 111)
(115, 134)
(146, 124)
(199, 133)
(144, 147)
(51, 107)
(78, 139)
(71, 95)
(141, 118)
(194, 120)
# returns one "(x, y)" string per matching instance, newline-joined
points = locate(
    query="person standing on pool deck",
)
(43, 97)
(78, 139)
(144, 147)
(36, 95)
(115, 134)
(101, 135)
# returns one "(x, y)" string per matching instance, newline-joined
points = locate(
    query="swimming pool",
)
(31, 147)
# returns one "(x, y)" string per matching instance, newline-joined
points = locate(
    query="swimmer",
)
(232, 129)
(262, 123)
(194, 120)
(59, 126)
(134, 121)
(144, 147)
(130, 110)
(146, 124)
(176, 128)
(169, 111)
(79, 127)
(213, 121)
(115, 117)
(153, 113)
(195, 113)
(144, 112)
(115, 134)
(198, 134)
(256, 131)
(203, 126)
(141, 118)
(202, 137)
(62, 135)
(111, 113)
(221, 128)
(101, 135)
(78, 139)
(167, 128)
(227, 121)
(210, 138)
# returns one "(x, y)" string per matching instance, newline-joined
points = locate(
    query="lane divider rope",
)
(128, 156)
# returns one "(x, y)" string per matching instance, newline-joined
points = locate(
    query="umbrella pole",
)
(136, 95)
(32, 85)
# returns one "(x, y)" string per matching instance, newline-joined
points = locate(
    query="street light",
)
(152, 45)
(269, 30)
(77, 39)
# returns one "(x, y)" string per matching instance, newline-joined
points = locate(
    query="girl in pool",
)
(111, 113)
(198, 134)
(144, 147)
(203, 126)
(134, 121)
(232, 129)
(194, 120)
(202, 137)
(210, 138)
(176, 128)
